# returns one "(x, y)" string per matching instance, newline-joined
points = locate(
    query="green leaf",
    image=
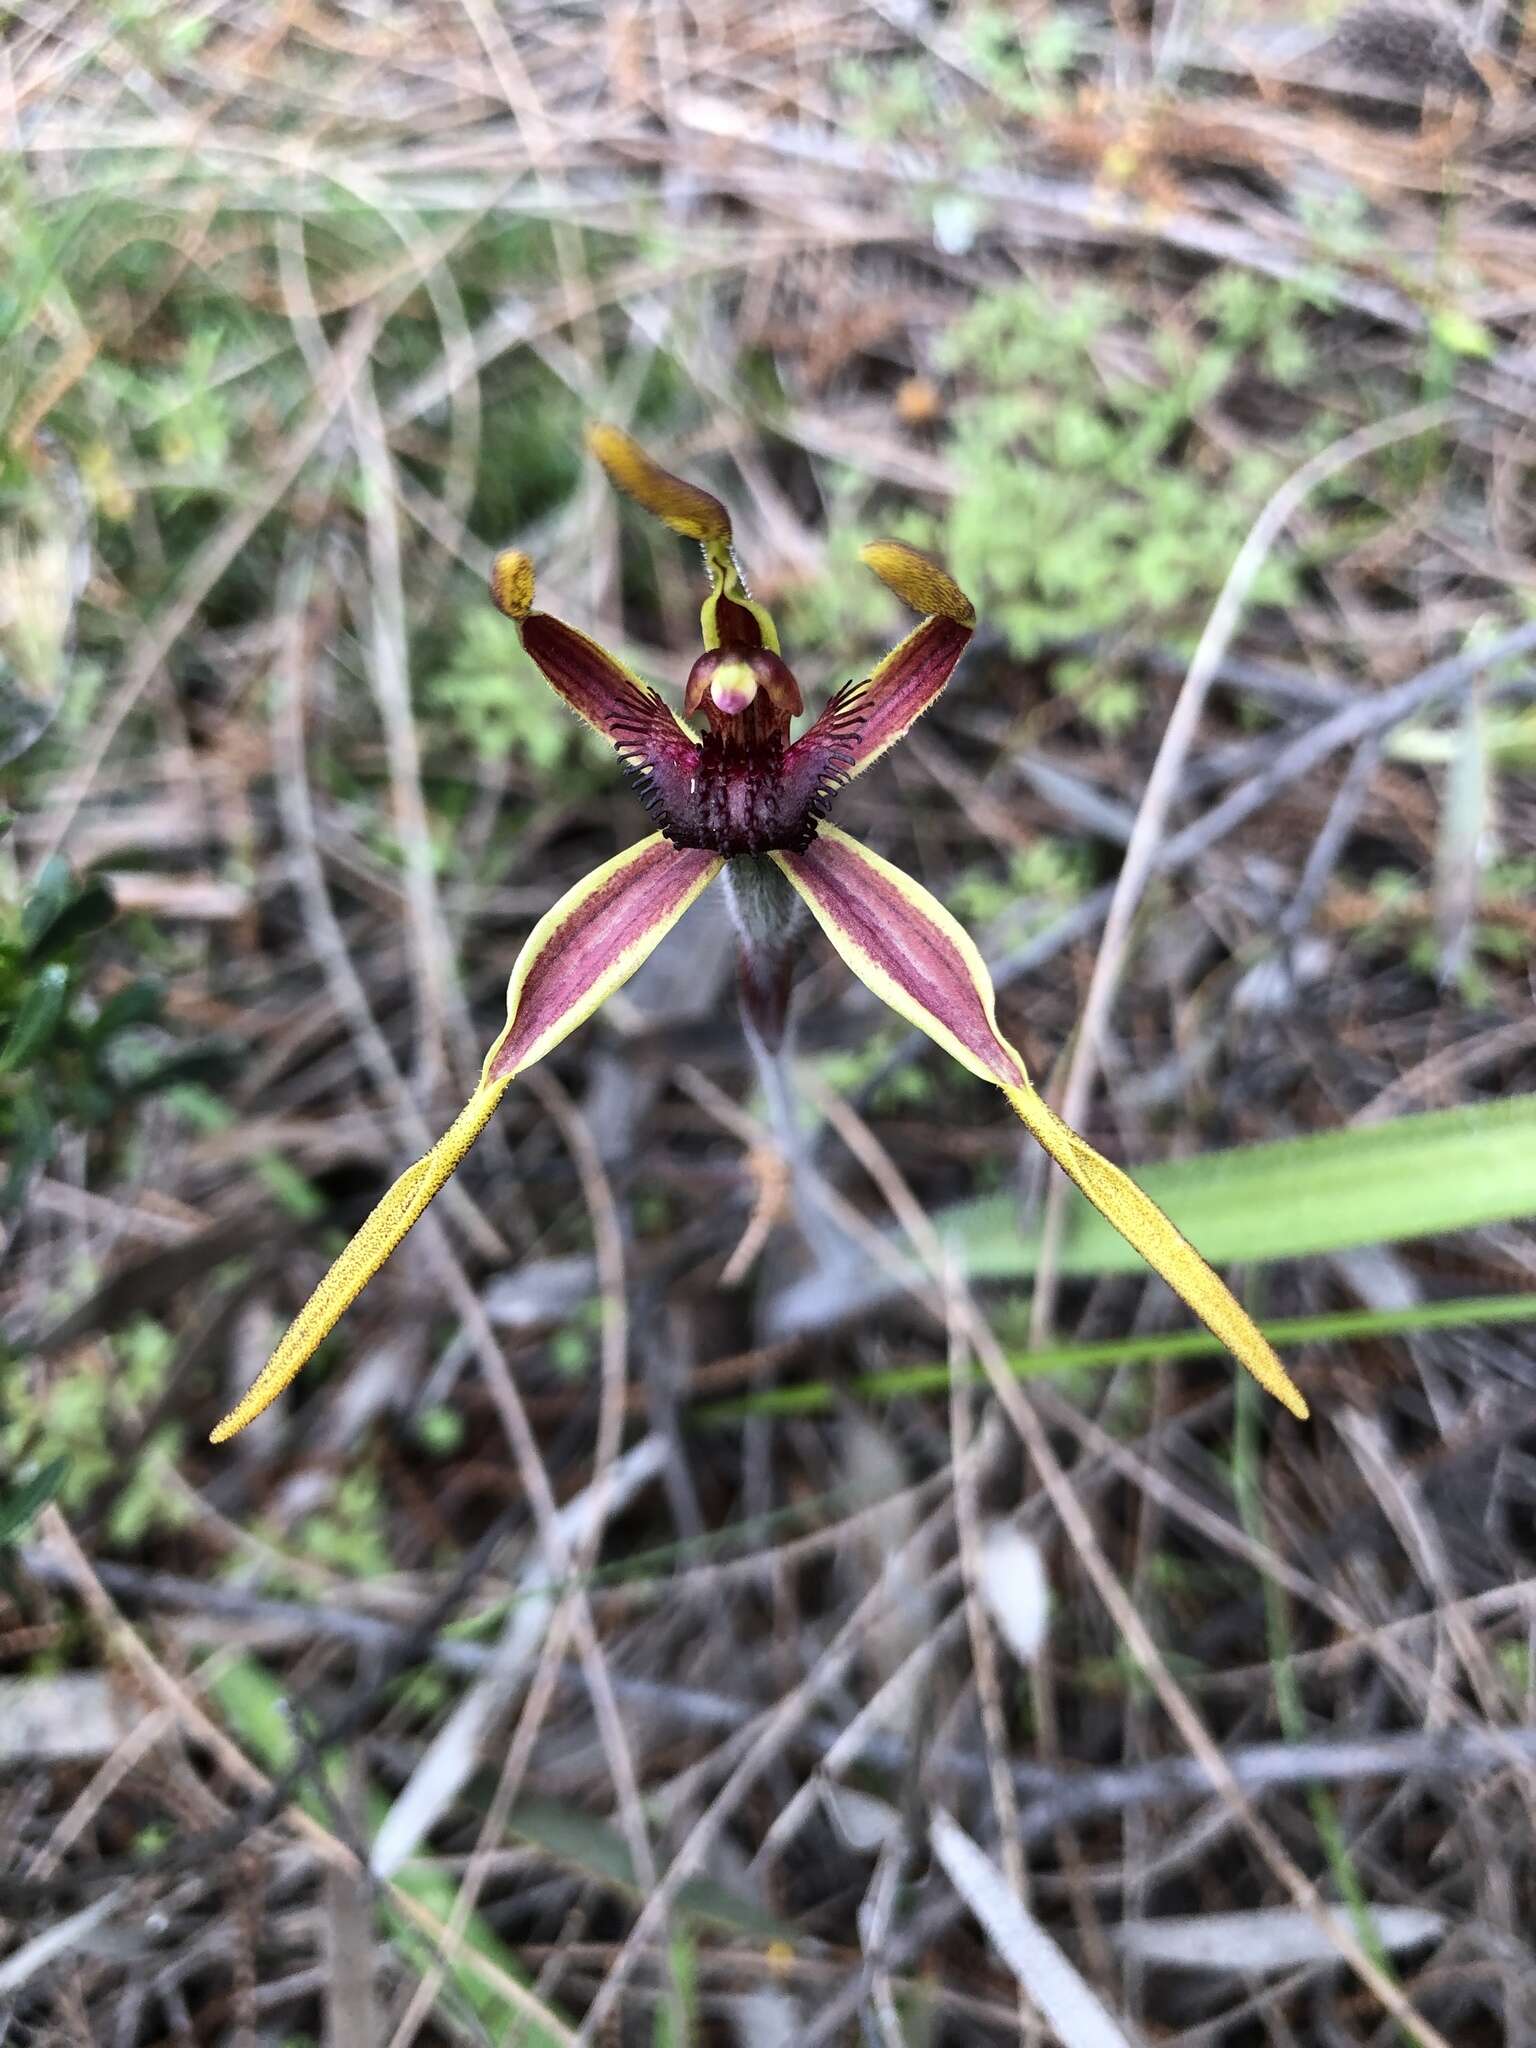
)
(37, 1018)
(1459, 332)
(61, 910)
(597, 1851)
(136, 1069)
(51, 891)
(32, 1138)
(1414, 1176)
(20, 1504)
(141, 1002)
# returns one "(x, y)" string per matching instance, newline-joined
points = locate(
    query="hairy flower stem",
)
(763, 977)
(766, 911)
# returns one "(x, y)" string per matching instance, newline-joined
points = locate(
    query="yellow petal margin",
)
(575, 957)
(904, 945)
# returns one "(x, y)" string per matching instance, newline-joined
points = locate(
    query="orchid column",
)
(743, 790)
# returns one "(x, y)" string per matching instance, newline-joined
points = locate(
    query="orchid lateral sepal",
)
(578, 953)
(905, 946)
(366, 1251)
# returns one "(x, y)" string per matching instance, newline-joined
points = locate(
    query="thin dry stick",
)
(1439, 1074)
(451, 1949)
(1398, 1495)
(1176, 1703)
(768, 1738)
(160, 1684)
(327, 941)
(1266, 1766)
(1418, 1682)
(1076, 2013)
(1123, 1612)
(1174, 1499)
(983, 1651)
(535, 1480)
(857, 1736)
(125, 1759)
(1162, 786)
(205, 569)
(224, 544)
(432, 961)
(518, 1996)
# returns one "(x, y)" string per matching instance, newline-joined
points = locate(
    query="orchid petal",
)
(902, 943)
(575, 957)
(866, 718)
(730, 617)
(594, 683)
(922, 584)
(685, 507)
(385, 1226)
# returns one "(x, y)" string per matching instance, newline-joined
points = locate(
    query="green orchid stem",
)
(767, 914)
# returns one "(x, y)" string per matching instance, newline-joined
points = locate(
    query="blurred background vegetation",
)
(303, 308)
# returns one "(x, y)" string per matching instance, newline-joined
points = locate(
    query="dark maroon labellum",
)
(746, 788)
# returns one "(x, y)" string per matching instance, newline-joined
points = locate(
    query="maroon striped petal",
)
(867, 717)
(652, 741)
(596, 686)
(576, 956)
(905, 946)
(590, 944)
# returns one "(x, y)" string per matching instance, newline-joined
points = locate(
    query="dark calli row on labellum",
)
(735, 786)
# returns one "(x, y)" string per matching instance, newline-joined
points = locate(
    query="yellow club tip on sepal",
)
(921, 583)
(512, 583)
(678, 504)
(1164, 1247)
(362, 1258)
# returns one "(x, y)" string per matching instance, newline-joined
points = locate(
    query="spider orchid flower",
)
(741, 793)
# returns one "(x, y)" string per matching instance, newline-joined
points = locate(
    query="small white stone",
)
(1013, 1587)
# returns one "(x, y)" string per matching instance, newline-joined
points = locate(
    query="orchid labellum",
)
(738, 790)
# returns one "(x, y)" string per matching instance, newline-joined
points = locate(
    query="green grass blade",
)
(1414, 1176)
(813, 1397)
